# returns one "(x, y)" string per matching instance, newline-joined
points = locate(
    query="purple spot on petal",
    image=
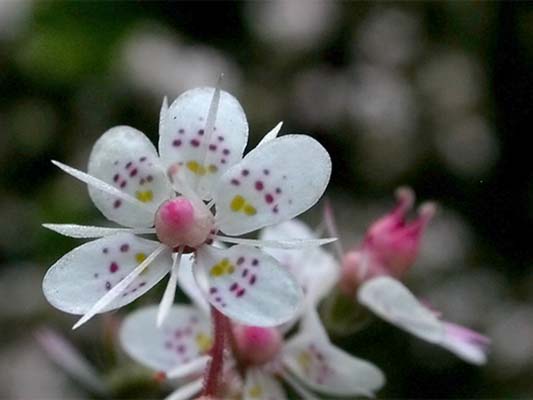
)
(225, 152)
(212, 147)
(278, 190)
(96, 275)
(113, 267)
(252, 279)
(223, 161)
(266, 171)
(241, 292)
(235, 182)
(195, 143)
(269, 198)
(116, 177)
(201, 132)
(133, 172)
(245, 172)
(213, 290)
(259, 185)
(218, 299)
(117, 203)
(221, 138)
(149, 178)
(123, 184)
(128, 165)
(240, 260)
(244, 273)
(108, 285)
(105, 250)
(125, 247)
(142, 284)
(142, 159)
(176, 143)
(233, 286)
(181, 131)
(255, 262)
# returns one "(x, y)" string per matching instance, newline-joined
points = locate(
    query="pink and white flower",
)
(307, 362)
(202, 136)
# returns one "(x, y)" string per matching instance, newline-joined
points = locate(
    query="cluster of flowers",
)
(253, 318)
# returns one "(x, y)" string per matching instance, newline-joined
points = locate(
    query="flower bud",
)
(256, 345)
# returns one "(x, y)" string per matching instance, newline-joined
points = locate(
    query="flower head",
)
(202, 136)
(307, 360)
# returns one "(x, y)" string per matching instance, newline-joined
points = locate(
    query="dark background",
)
(436, 95)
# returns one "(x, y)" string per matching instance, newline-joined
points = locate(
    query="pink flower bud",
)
(179, 223)
(257, 345)
(390, 245)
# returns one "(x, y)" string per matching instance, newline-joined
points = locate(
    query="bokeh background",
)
(437, 95)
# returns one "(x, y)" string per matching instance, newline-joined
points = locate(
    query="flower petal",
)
(314, 268)
(326, 368)
(184, 337)
(392, 301)
(126, 159)
(466, 344)
(85, 231)
(259, 385)
(186, 150)
(188, 284)
(273, 183)
(248, 286)
(84, 275)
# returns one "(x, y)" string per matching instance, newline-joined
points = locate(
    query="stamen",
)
(186, 391)
(118, 288)
(277, 244)
(85, 231)
(100, 185)
(331, 226)
(170, 291)
(194, 366)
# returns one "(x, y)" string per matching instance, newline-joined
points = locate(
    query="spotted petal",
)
(259, 385)
(185, 148)
(184, 337)
(325, 368)
(248, 285)
(82, 276)
(314, 268)
(392, 301)
(126, 159)
(274, 182)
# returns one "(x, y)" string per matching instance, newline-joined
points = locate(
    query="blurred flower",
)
(467, 145)
(16, 281)
(179, 350)
(294, 25)
(14, 15)
(392, 301)
(160, 65)
(128, 183)
(389, 37)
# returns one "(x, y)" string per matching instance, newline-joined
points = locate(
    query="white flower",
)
(392, 301)
(306, 361)
(202, 136)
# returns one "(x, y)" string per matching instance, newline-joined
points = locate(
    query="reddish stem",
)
(214, 370)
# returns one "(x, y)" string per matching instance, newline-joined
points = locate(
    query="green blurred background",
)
(436, 95)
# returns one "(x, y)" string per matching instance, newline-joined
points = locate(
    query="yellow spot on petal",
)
(196, 168)
(255, 391)
(304, 359)
(145, 196)
(249, 210)
(224, 267)
(203, 342)
(237, 203)
(212, 168)
(140, 257)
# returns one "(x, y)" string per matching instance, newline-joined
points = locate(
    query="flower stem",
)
(214, 370)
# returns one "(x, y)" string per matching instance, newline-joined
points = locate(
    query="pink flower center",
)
(257, 345)
(178, 222)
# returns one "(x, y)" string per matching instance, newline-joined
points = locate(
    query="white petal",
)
(466, 344)
(393, 302)
(125, 158)
(188, 283)
(184, 337)
(328, 369)
(304, 393)
(170, 291)
(272, 134)
(183, 142)
(84, 275)
(273, 183)
(84, 231)
(186, 391)
(248, 286)
(314, 268)
(259, 385)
